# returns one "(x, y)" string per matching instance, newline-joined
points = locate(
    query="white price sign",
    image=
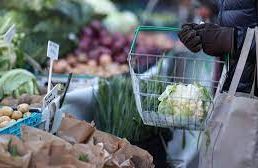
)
(8, 37)
(50, 97)
(52, 50)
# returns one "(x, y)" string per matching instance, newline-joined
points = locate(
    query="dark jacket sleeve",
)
(240, 37)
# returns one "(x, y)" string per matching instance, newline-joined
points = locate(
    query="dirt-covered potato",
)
(23, 108)
(25, 98)
(4, 118)
(9, 101)
(4, 124)
(36, 99)
(16, 115)
(27, 114)
(6, 111)
(12, 121)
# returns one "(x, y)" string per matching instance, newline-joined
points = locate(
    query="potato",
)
(92, 63)
(27, 114)
(9, 101)
(25, 98)
(105, 59)
(72, 60)
(4, 124)
(60, 66)
(16, 115)
(6, 111)
(23, 108)
(36, 99)
(4, 118)
(12, 121)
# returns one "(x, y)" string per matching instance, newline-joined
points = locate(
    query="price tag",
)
(51, 96)
(52, 50)
(8, 37)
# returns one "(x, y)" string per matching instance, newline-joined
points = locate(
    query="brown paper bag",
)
(55, 154)
(95, 153)
(29, 134)
(75, 131)
(140, 157)
(11, 145)
(111, 143)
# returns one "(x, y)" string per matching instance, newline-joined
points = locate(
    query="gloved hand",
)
(189, 37)
(216, 40)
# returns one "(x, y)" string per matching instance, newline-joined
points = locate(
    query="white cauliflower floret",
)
(184, 100)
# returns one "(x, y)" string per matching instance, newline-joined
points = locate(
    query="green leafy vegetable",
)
(117, 113)
(12, 149)
(16, 82)
(43, 20)
(84, 158)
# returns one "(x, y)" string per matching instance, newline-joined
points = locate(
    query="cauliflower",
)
(184, 101)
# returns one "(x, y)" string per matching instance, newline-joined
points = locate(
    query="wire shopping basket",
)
(174, 88)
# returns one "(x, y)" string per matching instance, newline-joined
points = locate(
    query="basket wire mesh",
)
(193, 73)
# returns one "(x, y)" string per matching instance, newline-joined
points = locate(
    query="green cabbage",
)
(185, 101)
(17, 82)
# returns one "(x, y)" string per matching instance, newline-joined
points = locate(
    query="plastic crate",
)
(15, 128)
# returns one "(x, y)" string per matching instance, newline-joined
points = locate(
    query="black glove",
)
(216, 40)
(189, 37)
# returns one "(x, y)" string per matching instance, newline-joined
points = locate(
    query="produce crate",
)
(33, 120)
(178, 89)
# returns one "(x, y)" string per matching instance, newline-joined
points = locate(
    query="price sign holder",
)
(52, 53)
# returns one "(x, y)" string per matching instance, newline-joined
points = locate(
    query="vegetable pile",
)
(185, 101)
(103, 53)
(9, 116)
(43, 20)
(17, 82)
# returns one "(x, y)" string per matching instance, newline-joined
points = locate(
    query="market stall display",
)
(19, 86)
(90, 148)
(12, 118)
(104, 54)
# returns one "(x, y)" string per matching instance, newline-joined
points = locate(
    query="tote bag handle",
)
(243, 58)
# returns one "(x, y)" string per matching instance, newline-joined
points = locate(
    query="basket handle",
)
(148, 28)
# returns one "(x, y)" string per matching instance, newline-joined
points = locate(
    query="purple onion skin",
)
(121, 59)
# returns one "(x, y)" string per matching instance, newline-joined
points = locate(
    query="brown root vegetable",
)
(6, 111)
(71, 59)
(105, 59)
(92, 63)
(12, 121)
(9, 101)
(4, 118)
(36, 99)
(82, 58)
(23, 108)
(25, 98)
(4, 124)
(60, 66)
(27, 114)
(16, 115)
